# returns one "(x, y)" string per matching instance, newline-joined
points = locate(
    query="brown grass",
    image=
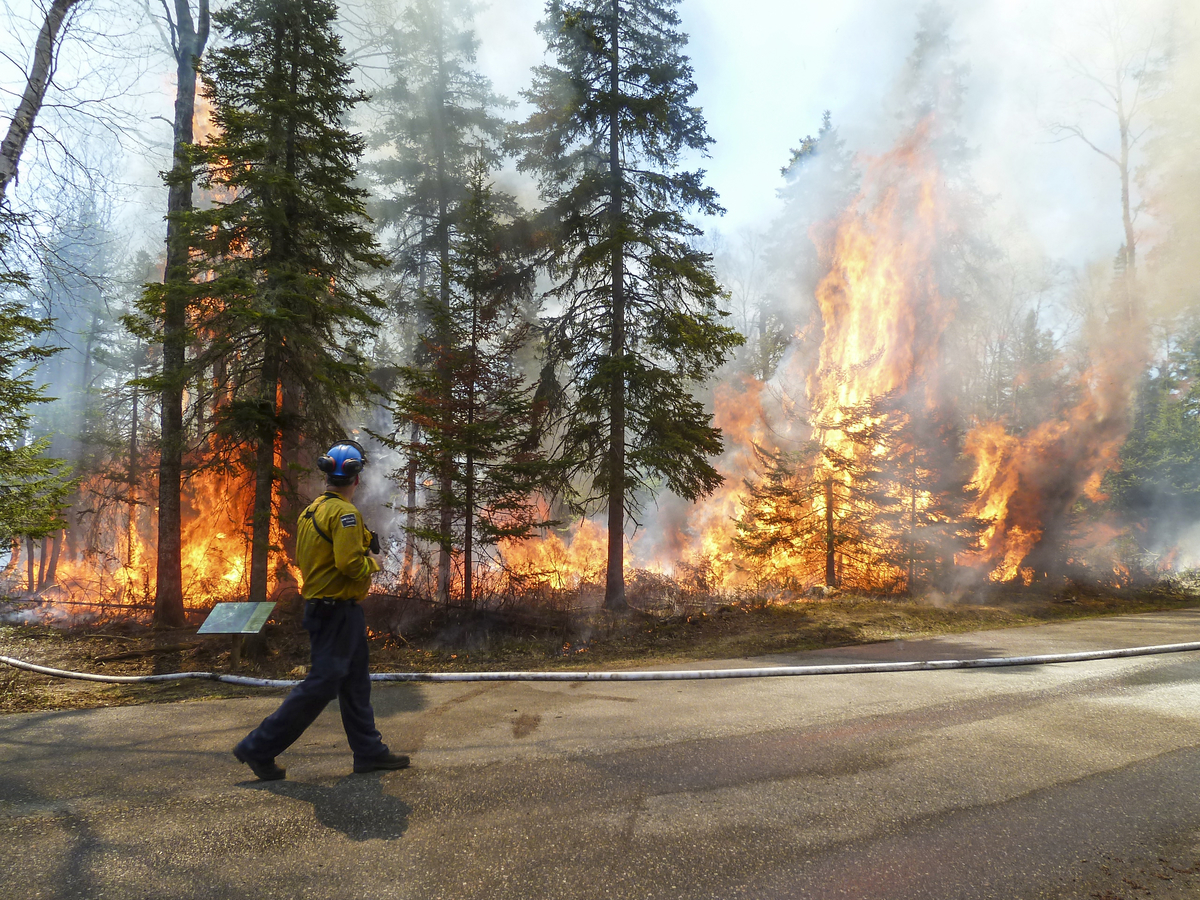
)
(408, 636)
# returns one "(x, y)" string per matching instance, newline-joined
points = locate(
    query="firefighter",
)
(337, 556)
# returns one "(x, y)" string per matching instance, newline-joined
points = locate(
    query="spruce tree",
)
(813, 509)
(278, 260)
(471, 404)
(927, 523)
(1155, 489)
(33, 487)
(638, 325)
(821, 181)
(439, 116)
(171, 313)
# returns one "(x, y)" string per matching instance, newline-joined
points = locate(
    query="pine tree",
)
(438, 118)
(1156, 487)
(927, 522)
(278, 261)
(76, 291)
(484, 420)
(189, 37)
(33, 487)
(639, 323)
(812, 510)
(820, 182)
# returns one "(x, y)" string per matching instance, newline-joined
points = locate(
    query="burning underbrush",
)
(855, 466)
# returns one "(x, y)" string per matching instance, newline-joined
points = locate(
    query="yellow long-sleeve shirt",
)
(331, 550)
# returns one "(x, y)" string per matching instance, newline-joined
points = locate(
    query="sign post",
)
(237, 619)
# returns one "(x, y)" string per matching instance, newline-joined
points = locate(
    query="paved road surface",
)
(1069, 781)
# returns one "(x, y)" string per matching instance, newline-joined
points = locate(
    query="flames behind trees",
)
(860, 470)
(858, 462)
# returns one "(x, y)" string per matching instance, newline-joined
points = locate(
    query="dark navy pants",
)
(338, 633)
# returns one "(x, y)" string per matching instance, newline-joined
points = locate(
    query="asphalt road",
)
(1066, 781)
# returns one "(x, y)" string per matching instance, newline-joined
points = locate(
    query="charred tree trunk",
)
(188, 45)
(30, 561)
(36, 85)
(52, 566)
(614, 589)
(41, 578)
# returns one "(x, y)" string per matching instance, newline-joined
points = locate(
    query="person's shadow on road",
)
(357, 806)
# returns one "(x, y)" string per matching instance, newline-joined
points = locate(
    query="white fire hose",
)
(935, 665)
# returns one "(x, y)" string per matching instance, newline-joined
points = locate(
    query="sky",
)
(767, 69)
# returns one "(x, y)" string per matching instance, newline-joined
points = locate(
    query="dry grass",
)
(407, 636)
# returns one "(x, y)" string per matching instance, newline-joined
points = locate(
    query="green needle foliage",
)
(471, 404)
(1156, 487)
(34, 490)
(638, 322)
(278, 259)
(439, 120)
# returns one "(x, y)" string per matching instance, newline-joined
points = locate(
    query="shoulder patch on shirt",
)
(349, 520)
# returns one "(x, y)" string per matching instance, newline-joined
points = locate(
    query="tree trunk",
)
(468, 584)
(168, 600)
(52, 567)
(614, 589)
(36, 85)
(290, 505)
(446, 476)
(830, 537)
(41, 581)
(410, 520)
(264, 474)
(1132, 309)
(469, 493)
(30, 558)
(131, 534)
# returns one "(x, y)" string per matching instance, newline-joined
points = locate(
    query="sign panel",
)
(237, 618)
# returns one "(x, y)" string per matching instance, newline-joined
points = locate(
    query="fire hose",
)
(933, 665)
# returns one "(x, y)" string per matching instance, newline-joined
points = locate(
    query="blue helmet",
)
(345, 459)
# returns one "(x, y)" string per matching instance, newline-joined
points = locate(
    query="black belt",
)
(330, 601)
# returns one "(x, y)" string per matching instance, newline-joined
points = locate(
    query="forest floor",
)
(409, 636)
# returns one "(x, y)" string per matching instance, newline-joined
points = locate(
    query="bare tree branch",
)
(36, 84)
(1074, 131)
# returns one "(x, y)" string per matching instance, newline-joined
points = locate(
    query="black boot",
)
(388, 760)
(264, 771)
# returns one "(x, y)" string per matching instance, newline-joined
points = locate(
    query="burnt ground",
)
(408, 635)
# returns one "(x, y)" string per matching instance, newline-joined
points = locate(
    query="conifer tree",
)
(1156, 487)
(820, 183)
(926, 522)
(639, 324)
(189, 36)
(471, 404)
(278, 261)
(814, 508)
(33, 487)
(438, 118)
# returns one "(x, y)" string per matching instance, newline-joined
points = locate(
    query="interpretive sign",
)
(237, 618)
